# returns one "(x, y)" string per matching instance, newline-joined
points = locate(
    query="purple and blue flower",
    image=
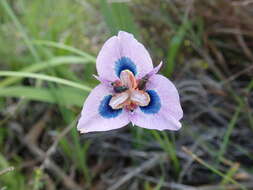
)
(130, 91)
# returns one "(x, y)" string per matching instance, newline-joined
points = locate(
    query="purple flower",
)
(130, 90)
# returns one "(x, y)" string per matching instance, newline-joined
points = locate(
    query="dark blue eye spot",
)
(125, 63)
(105, 110)
(154, 105)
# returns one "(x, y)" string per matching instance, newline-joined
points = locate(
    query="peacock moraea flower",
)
(130, 90)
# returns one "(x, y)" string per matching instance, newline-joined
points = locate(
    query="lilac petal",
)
(156, 121)
(155, 70)
(123, 52)
(128, 79)
(103, 81)
(164, 110)
(117, 101)
(140, 97)
(94, 118)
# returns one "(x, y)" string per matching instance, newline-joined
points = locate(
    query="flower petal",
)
(123, 52)
(164, 110)
(127, 78)
(118, 100)
(140, 98)
(103, 81)
(155, 70)
(97, 115)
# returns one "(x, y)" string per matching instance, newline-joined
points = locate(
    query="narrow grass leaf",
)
(20, 28)
(160, 184)
(65, 47)
(118, 17)
(213, 169)
(81, 156)
(168, 148)
(46, 78)
(6, 180)
(68, 96)
(231, 172)
(108, 16)
(174, 46)
(228, 133)
(171, 149)
(124, 18)
(56, 61)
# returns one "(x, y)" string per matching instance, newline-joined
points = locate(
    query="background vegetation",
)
(47, 57)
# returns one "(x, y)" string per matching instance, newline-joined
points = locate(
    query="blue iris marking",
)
(154, 105)
(125, 63)
(105, 110)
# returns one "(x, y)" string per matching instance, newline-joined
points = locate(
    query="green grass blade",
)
(159, 185)
(20, 28)
(109, 17)
(228, 133)
(213, 169)
(6, 180)
(249, 113)
(46, 78)
(67, 96)
(174, 46)
(168, 148)
(65, 47)
(81, 156)
(171, 149)
(124, 18)
(57, 61)
(118, 17)
(231, 172)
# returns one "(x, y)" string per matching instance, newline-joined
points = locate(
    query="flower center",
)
(129, 92)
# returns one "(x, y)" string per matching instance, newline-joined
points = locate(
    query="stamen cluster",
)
(129, 92)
